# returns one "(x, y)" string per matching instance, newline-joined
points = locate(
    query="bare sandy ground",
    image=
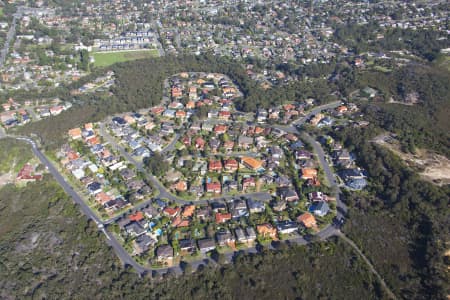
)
(431, 166)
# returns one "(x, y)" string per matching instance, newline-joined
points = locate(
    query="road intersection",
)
(124, 256)
(327, 232)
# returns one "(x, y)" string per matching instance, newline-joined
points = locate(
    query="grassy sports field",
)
(103, 59)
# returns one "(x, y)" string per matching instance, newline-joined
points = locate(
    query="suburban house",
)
(316, 119)
(75, 133)
(342, 109)
(206, 126)
(251, 234)
(134, 229)
(238, 208)
(228, 145)
(177, 92)
(245, 142)
(252, 163)
(307, 220)
(302, 154)
(164, 253)
(136, 217)
(26, 174)
(203, 212)
(224, 237)
(181, 114)
(178, 222)
(308, 173)
(200, 143)
(180, 186)
(142, 244)
(171, 212)
(248, 182)
(267, 231)
(287, 227)
(94, 188)
(231, 165)
(213, 187)
(220, 129)
(288, 194)
(222, 217)
(348, 174)
(187, 246)
(206, 245)
(356, 184)
(102, 198)
(218, 206)
(279, 206)
(317, 196)
(342, 157)
(319, 208)
(240, 235)
(188, 211)
(196, 190)
(215, 166)
(255, 206)
(150, 212)
(214, 144)
(224, 115)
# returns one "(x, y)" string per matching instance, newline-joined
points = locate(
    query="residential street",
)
(163, 193)
(125, 257)
(342, 208)
(315, 111)
(205, 136)
(171, 145)
(9, 37)
(111, 240)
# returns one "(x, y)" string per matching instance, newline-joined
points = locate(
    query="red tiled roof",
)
(220, 128)
(213, 187)
(215, 165)
(188, 211)
(221, 218)
(171, 211)
(231, 164)
(307, 220)
(137, 216)
(199, 142)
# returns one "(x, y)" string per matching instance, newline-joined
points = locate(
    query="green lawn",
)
(103, 59)
(382, 69)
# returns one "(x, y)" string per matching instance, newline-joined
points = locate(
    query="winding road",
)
(124, 256)
(162, 191)
(111, 240)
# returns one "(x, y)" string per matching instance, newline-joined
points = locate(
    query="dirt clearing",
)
(431, 166)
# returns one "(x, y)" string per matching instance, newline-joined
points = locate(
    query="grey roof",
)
(287, 225)
(240, 235)
(319, 208)
(144, 241)
(223, 236)
(135, 228)
(186, 244)
(245, 140)
(205, 244)
(164, 251)
(251, 234)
